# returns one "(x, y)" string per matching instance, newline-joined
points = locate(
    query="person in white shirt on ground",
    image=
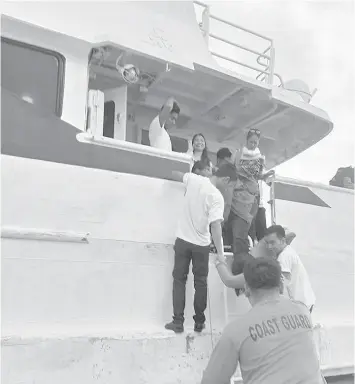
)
(273, 342)
(202, 209)
(168, 115)
(275, 244)
(296, 280)
(261, 249)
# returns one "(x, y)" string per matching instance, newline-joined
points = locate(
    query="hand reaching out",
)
(220, 259)
(268, 175)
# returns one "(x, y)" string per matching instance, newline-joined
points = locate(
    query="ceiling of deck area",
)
(223, 108)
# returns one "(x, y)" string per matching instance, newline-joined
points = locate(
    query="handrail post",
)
(272, 201)
(271, 64)
(206, 23)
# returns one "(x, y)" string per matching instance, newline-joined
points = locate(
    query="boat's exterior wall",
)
(160, 358)
(94, 311)
(164, 359)
(164, 30)
(121, 279)
(325, 243)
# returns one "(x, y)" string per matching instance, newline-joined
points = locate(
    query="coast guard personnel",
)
(273, 342)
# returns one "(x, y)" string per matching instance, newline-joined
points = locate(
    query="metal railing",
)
(261, 76)
(266, 72)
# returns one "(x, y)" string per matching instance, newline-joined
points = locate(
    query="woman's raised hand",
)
(268, 174)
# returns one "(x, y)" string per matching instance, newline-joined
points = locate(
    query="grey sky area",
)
(314, 42)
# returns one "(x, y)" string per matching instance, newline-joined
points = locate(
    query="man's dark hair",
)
(224, 153)
(175, 108)
(277, 229)
(227, 170)
(199, 166)
(262, 273)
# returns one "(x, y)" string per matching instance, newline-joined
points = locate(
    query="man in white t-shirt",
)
(168, 115)
(202, 209)
(296, 280)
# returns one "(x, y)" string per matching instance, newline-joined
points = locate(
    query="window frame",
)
(60, 73)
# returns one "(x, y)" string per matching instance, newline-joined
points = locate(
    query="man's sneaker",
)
(176, 327)
(199, 327)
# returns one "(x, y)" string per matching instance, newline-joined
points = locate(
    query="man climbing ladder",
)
(203, 207)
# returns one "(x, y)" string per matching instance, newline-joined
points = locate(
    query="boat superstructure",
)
(89, 210)
(167, 46)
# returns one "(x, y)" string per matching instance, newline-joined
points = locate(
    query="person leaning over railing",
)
(166, 119)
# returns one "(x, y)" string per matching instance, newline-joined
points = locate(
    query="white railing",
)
(265, 71)
(90, 138)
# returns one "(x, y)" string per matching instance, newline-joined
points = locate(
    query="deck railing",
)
(265, 71)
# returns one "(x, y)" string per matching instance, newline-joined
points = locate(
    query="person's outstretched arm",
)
(165, 111)
(224, 359)
(228, 279)
(215, 204)
(265, 176)
(216, 232)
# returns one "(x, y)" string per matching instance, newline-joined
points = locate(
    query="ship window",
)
(34, 74)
